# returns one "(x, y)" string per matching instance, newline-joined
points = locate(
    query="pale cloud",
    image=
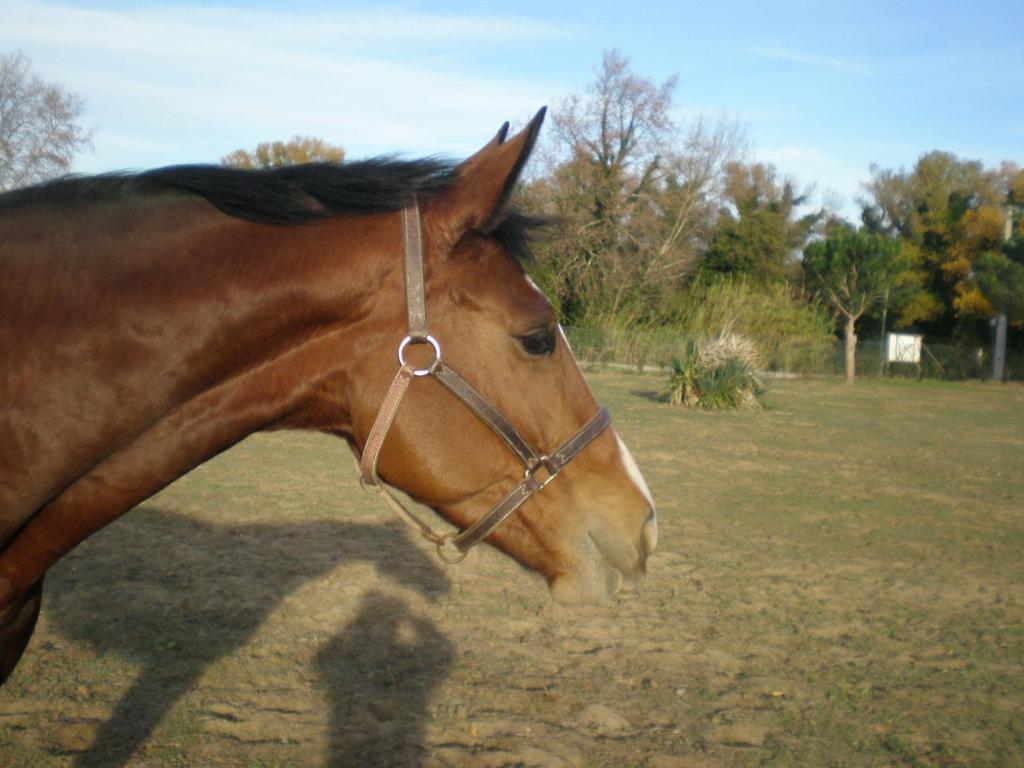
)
(175, 84)
(811, 60)
(218, 31)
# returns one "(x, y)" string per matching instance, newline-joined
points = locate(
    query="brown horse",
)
(150, 321)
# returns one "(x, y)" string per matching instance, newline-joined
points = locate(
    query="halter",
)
(539, 468)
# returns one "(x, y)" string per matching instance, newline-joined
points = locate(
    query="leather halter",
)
(546, 465)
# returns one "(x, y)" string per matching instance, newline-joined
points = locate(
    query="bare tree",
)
(635, 194)
(39, 135)
(695, 178)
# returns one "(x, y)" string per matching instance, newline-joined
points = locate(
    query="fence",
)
(814, 356)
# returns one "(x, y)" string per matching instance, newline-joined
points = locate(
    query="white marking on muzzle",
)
(634, 471)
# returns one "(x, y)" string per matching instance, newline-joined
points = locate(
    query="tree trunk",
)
(883, 362)
(851, 349)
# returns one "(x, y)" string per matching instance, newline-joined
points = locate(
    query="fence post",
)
(998, 346)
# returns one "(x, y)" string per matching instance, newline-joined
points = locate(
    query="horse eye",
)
(539, 343)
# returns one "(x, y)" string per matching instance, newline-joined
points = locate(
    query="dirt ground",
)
(838, 583)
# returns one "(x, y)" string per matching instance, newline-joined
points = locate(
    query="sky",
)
(823, 90)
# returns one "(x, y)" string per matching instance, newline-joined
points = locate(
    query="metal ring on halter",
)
(428, 339)
(450, 554)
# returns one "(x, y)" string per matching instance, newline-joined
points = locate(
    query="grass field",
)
(839, 582)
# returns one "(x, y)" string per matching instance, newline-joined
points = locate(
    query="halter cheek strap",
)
(539, 468)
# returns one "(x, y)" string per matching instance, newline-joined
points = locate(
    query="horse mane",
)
(284, 196)
(288, 195)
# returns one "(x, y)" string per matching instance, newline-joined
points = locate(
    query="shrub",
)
(719, 373)
(790, 334)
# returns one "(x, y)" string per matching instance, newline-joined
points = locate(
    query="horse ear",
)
(482, 185)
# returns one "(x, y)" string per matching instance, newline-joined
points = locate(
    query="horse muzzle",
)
(606, 563)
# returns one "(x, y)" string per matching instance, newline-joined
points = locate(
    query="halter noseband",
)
(540, 468)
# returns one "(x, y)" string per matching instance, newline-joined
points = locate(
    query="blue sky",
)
(823, 91)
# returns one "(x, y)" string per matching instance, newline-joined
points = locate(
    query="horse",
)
(151, 320)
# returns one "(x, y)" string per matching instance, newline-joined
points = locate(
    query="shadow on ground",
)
(175, 595)
(655, 396)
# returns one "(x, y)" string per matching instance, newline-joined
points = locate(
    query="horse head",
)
(593, 527)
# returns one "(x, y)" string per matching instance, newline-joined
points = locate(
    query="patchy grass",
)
(838, 583)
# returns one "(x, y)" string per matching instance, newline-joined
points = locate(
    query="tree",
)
(947, 212)
(612, 139)
(853, 270)
(616, 135)
(1001, 280)
(632, 193)
(758, 232)
(684, 205)
(273, 154)
(39, 135)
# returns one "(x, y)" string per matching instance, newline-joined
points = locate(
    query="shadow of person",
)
(174, 595)
(380, 674)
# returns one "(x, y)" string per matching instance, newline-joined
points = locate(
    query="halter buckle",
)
(428, 339)
(544, 462)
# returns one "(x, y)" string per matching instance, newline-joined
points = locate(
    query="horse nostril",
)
(650, 534)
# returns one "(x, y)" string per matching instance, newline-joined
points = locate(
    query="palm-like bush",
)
(721, 372)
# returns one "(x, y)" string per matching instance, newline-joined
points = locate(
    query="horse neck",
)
(172, 299)
(285, 298)
(150, 338)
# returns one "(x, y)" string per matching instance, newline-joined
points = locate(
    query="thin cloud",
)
(811, 60)
(337, 30)
(181, 83)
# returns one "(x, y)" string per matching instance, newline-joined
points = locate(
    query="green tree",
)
(273, 154)
(853, 270)
(39, 132)
(1001, 280)
(759, 234)
(1000, 275)
(947, 212)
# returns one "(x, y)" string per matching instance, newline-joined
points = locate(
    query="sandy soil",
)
(263, 612)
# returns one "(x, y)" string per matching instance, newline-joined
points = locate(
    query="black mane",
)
(285, 196)
(293, 194)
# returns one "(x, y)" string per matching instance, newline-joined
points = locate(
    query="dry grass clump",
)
(717, 373)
